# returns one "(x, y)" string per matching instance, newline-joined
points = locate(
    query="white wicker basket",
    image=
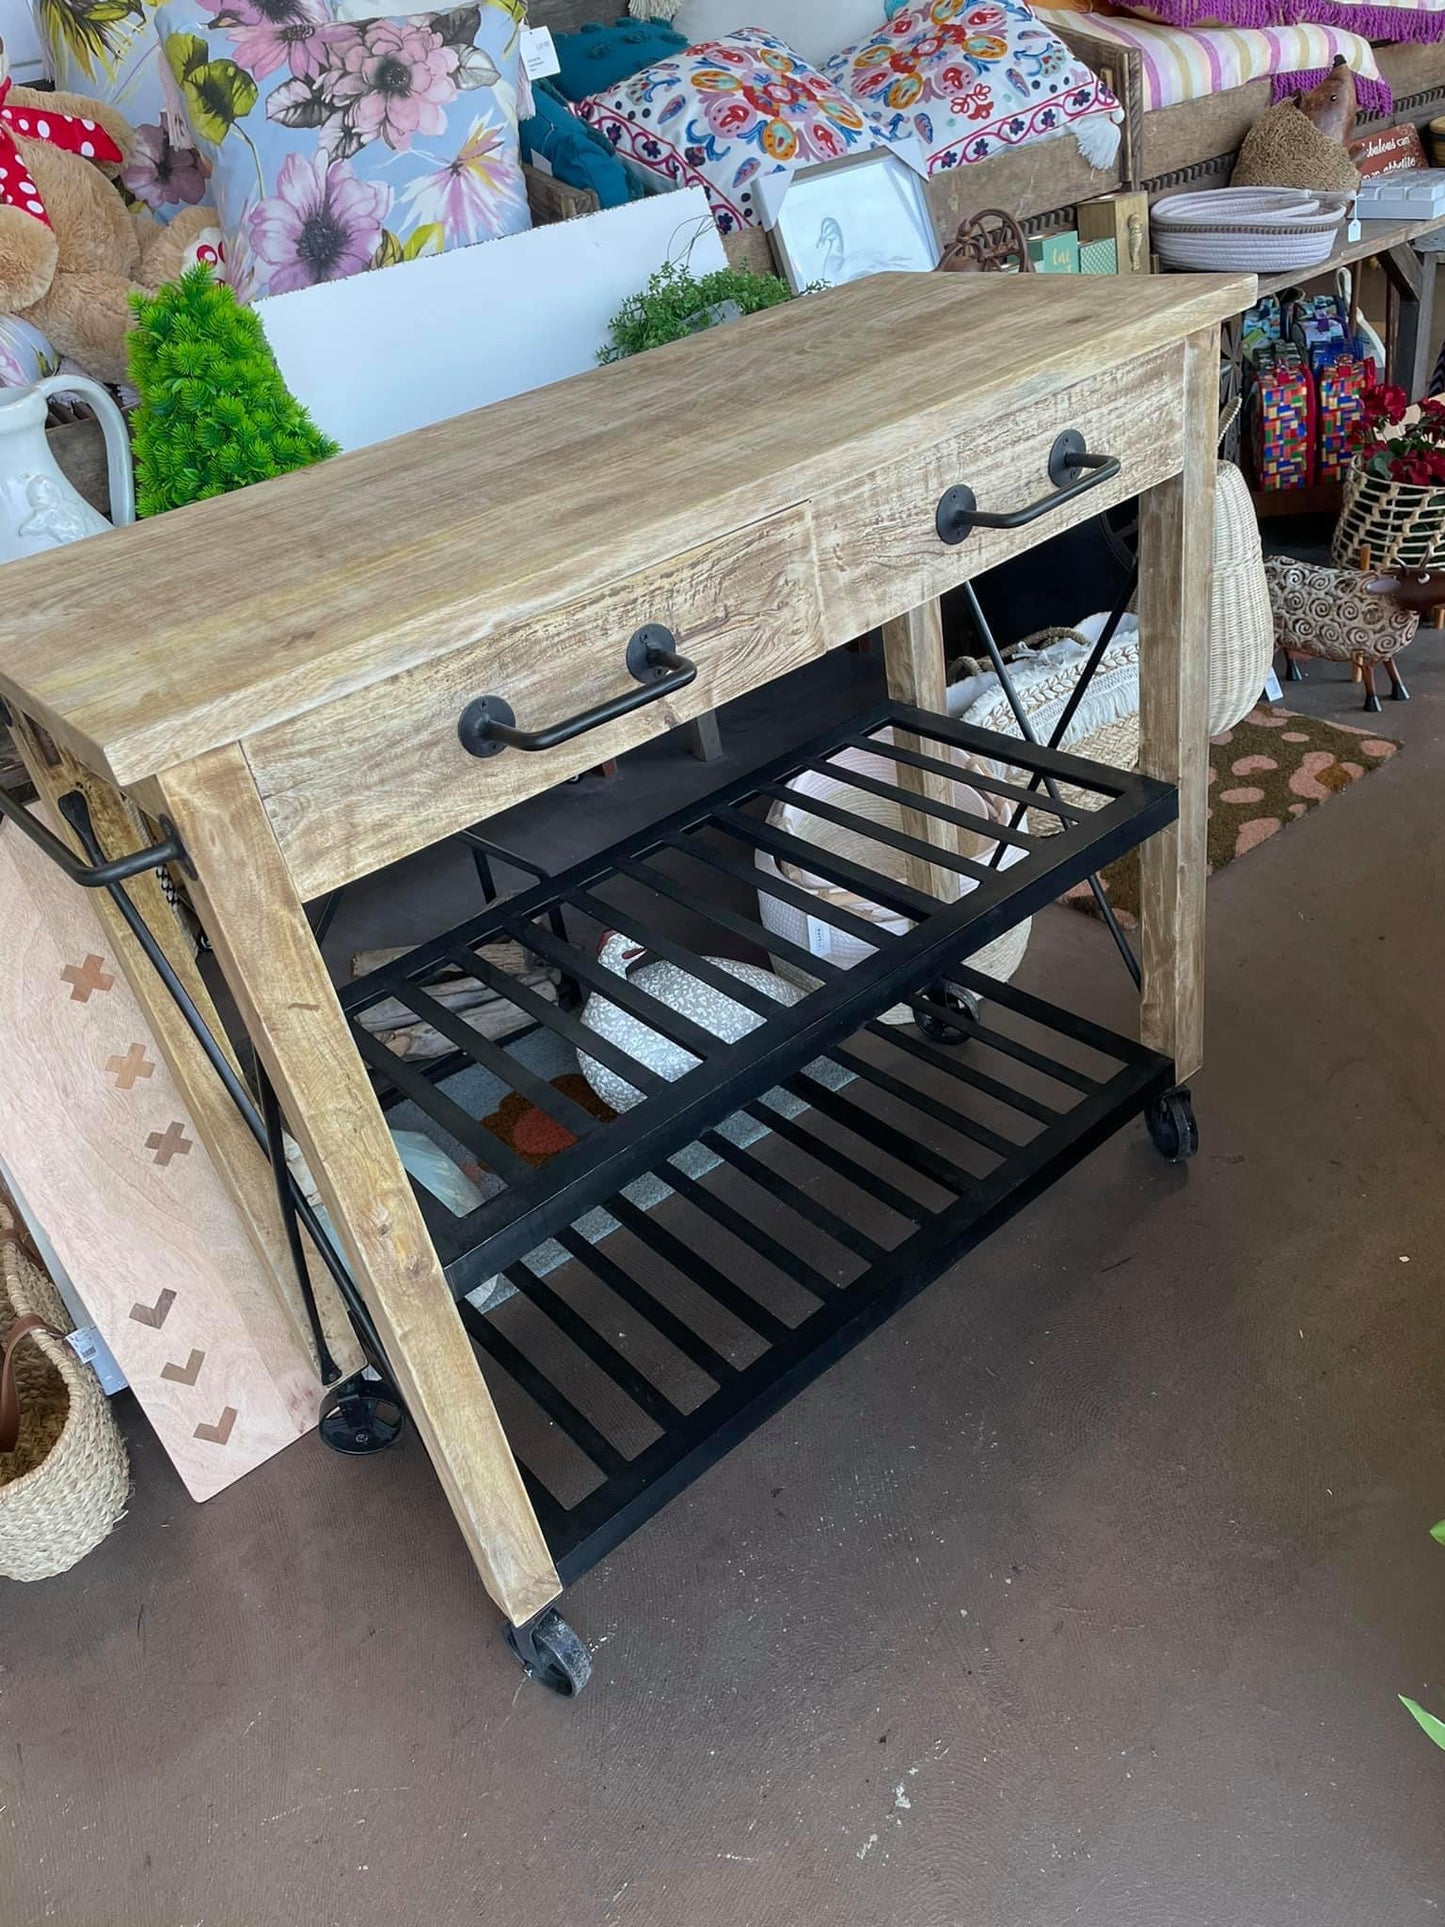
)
(1241, 623)
(815, 934)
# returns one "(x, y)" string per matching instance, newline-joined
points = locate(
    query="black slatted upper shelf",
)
(915, 787)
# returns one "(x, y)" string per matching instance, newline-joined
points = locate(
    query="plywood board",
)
(112, 1166)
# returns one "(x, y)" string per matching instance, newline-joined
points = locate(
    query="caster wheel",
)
(551, 1653)
(1172, 1127)
(360, 1417)
(936, 1028)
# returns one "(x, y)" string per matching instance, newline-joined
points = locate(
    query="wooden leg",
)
(1176, 543)
(704, 738)
(913, 657)
(1413, 280)
(239, 1161)
(1367, 677)
(1397, 682)
(261, 938)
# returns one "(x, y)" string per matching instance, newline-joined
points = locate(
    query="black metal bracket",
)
(488, 725)
(99, 875)
(1072, 470)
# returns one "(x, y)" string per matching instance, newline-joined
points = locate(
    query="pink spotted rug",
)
(1266, 772)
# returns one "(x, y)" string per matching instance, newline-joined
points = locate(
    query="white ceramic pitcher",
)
(39, 509)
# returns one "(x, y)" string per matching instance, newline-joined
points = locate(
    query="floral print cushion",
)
(970, 77)
(724, 112)
(108, 50)
(339, 145)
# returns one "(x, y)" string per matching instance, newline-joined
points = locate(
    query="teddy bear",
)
(71, 252)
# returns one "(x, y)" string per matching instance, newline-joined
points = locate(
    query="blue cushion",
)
(596, 58)
(575, 152)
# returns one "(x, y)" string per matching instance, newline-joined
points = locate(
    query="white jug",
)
(39, 509)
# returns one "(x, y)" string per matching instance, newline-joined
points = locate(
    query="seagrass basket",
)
(63, 1482)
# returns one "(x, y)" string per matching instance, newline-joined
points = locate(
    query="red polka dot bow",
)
(67, 131)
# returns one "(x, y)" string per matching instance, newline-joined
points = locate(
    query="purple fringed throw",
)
(1374, 96)
(1372, 22)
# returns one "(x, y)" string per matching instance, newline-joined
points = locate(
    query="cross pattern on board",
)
(84, 979)
(125, 1070)
(170, 1143)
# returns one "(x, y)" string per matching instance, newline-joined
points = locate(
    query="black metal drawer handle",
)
(1072, 470)
(488, 725)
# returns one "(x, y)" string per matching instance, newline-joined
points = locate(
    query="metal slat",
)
(901, 898)
(750, 1234)
(664, 1322)
(991, 785)
(543, 1393)
(618, 990)
(811, 1210)
(441, 1108)
(505, 1067)
(567, 1026)
(644, 1226)
(864, 1179)
(998, 1040)
(869, 832)
(731, 921)
(873, 1130)
(983, 826)
(899, 1037)
(757, 1002)
(917, 1100)
(788, 892)
(588, 1340)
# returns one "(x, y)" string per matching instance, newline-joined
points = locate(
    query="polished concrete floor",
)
(1080, 1596)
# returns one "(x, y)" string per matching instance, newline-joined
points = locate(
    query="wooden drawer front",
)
(878, 546)
(358, 783)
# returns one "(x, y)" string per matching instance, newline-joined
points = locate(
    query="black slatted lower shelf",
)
(636, 1362)
(686, 891)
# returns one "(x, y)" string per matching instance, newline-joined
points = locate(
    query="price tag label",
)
(539, 55)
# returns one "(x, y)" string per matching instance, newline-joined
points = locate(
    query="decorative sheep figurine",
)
(670, 985)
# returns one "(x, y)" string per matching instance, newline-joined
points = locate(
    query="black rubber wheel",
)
(361, 1417)
(1170, 1119)
(936, 1028)
(552, 1654)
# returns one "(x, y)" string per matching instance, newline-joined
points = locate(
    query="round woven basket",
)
(1400, 524)
(999, 959)
(1241, 623)
(1105, 728)
(63, 1487)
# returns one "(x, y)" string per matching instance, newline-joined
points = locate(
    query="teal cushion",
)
(575, 152)
(597, 58)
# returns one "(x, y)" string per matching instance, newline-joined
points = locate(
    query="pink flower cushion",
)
(970, 77)
(726, 111)
(338, 145)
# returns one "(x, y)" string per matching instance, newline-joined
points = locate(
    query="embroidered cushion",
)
(339, 145)
(596, 58)
(560, 141)
(111, 53)
(971, 77)
(719, 115)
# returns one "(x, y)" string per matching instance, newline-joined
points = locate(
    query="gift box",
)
(1338, 388)
(1283, 424)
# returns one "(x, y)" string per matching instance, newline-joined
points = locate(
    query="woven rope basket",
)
(1400, 524)
(1241, 623)
(63, 1488)
(1114, 741)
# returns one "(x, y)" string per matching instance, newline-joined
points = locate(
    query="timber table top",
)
(147, 647)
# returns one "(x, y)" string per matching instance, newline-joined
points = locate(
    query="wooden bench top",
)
(147, 647)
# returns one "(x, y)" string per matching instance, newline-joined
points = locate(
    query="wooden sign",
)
(1389, 150)
(106, 1156)
(1122, 219)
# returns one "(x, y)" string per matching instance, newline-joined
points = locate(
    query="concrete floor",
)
(1081, 1593)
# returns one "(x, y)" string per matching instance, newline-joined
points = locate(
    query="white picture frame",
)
(846, 219)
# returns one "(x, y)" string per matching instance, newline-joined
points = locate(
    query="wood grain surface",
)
(148, 646)
(276, 974)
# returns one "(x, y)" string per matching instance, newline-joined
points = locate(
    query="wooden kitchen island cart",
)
(278, 692)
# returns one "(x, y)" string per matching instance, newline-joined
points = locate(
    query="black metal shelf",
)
(626, 1372)
(677, 876)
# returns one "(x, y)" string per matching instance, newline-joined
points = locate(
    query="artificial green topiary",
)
(214, 413)
(676, 302)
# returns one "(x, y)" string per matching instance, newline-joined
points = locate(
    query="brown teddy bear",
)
(71, 252)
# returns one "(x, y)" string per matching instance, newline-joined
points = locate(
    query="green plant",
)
(214, 413)
(676, 302)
